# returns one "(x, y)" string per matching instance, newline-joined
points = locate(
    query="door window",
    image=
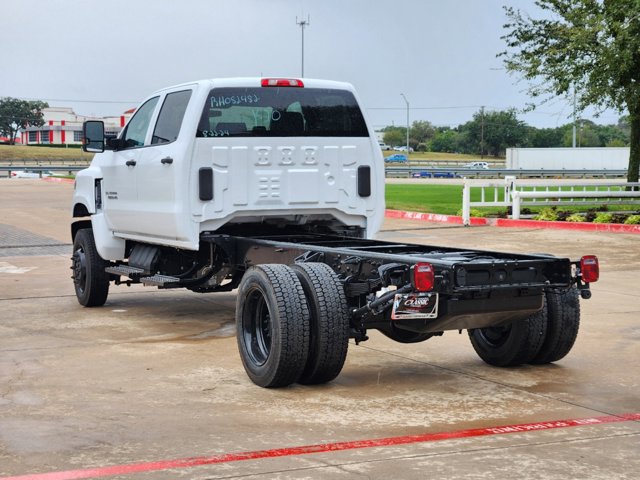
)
(170, 117)
(137, 128)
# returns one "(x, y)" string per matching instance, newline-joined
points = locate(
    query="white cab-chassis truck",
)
(275, 187)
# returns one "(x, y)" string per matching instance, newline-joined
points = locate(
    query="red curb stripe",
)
(508, 222)
(576, 226)
(432, 217)
(321, 448)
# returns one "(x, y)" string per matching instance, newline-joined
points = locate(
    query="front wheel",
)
(272, 325)
(513, 344)
(90, 280)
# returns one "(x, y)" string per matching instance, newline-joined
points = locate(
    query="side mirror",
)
(93, 135)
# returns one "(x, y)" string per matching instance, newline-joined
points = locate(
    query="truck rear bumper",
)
(463, 314)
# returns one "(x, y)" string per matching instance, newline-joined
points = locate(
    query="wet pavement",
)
(155, 376)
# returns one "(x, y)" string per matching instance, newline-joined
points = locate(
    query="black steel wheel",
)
(329, 339)
(272, 325)
(512, 344)
(563, 323)
(90, 280)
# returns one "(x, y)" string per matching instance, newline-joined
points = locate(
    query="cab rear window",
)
(281, 112)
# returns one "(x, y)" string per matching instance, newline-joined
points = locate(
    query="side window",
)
(170, 118)
(139, 124)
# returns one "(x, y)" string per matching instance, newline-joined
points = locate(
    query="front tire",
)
(272, 325)
(90, 280)
(513, 344)
(329, 338)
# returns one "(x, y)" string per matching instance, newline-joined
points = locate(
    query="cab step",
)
(125, 270)
(166, 281)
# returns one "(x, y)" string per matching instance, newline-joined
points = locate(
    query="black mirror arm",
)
(113, 143)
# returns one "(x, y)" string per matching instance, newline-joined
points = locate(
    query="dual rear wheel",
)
(292, 324)
(544, 337)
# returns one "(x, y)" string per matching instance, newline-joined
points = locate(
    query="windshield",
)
(281, 112)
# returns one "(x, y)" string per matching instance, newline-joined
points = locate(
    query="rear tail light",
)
(589, 268)
(282, 82)
(423, 277)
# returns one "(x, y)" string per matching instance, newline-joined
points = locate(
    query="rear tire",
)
(512, 344)
(272, 325)
(329, 339)
(563, 323)
(90, 280)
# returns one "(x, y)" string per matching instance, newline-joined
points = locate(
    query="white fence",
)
(526, 193)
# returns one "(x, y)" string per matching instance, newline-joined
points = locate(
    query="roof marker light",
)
(589, 268)
(282, 82)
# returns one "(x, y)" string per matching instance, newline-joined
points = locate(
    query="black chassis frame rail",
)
(476, 288)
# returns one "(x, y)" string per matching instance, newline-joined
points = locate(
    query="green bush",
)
(474, 212)
(576, 217)
(547, 214)
(57, 145)
(590, 215)
(632, 220)
(603, 218)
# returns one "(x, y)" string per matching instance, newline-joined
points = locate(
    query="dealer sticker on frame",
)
(415, 306)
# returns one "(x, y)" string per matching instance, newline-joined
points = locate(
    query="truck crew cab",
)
(275, 186)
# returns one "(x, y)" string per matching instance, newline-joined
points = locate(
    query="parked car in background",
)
(384, 146)
(396, 157)
(403, 148)
(30, 174)
(443, 174)
(478, 165)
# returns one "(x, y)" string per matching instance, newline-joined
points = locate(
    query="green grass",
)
(445, 157)
(25, 152)
(447, 200)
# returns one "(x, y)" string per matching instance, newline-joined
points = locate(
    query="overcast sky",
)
(102, 57)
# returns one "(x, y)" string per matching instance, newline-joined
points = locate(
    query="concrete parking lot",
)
(151, 386)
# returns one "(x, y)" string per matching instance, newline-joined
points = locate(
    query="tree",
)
(588, 135)
(422, 131)
(590, 47)
(546, 137)
(445, 140)
(493, 132)
(16, 114)
(395, 136)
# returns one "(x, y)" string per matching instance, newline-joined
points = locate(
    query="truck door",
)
(162, 172)
(121, 202)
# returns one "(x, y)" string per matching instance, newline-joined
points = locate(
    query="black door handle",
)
(166, 161)
(130, 163)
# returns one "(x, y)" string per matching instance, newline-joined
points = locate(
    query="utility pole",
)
(407, 102)
(303, 23)
(574, 117)
(482, 132)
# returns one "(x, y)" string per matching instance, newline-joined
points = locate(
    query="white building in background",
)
(64, 127)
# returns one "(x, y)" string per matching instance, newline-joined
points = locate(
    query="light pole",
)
(407, 102)
(573, 143)
(482, 134)
(303, 23)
